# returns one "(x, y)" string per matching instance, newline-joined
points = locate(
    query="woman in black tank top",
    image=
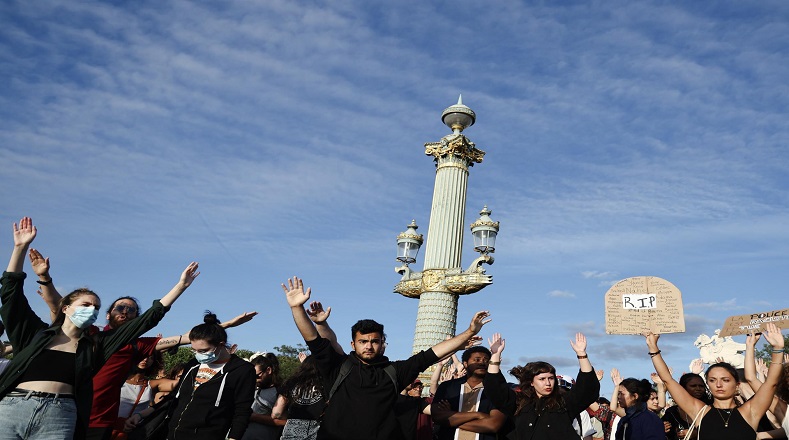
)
(723, 419)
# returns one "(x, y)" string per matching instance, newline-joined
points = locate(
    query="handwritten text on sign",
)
(639, 302)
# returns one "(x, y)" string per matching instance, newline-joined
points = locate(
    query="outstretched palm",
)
(294, 292)
(496, 343)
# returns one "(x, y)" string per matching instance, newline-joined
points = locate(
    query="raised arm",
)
(320, 318)
(755, 408)
(688, 403)
(183, 339)
(661, 390)
(297, 297)
(24, 234)
(616, 378)
(187, 277)
(444, 348)
(579, 346)
(46, 288)
(750, 361)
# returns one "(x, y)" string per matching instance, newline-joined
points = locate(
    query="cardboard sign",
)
(639, 304)
(754, 322)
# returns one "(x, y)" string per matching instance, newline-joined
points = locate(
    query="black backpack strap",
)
(345, 369)
(390, 371)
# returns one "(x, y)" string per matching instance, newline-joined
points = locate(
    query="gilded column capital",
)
(456, 145)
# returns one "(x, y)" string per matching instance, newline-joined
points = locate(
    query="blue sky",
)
(279, 138)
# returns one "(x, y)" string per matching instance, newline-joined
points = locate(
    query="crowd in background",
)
(62, 377)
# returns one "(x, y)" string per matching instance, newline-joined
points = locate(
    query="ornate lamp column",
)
(442, 279)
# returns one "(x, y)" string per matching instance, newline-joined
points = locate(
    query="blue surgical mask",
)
(206, 358)
(83, 317)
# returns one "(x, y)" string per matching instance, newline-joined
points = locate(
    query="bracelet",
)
(774, 350)
(44, 283)
(586, 356)
(179, 340)
(494, 363)
(654, 354)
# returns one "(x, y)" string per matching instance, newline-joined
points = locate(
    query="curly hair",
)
(526, 396)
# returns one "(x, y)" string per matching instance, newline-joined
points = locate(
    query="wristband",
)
(494, 363)
(44, 283)
(582, 357)
(774, 350)
(654, 354)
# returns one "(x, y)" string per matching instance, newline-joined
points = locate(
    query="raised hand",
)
(773, 336)
(302, 356)
(616, 378)
(652, 339)
(600, 374)
(761, 368)
(294, 292)
(316, 312)
(189, 274)
(39, 263)
(24, 233)
(478, 321)
(656, 379)
(496, 344)
(472, 342)
(240, 319)
(697, 366)
(579, 345)
(752, 339)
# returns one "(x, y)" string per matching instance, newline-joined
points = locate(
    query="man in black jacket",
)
(362, 404)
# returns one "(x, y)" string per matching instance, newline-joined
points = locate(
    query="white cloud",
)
(561, 294)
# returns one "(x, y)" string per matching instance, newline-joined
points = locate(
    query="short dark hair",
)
(603, 401)
(209, 331)
(366, 326)
(476, 349)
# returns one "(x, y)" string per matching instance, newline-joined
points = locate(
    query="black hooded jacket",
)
(363, 407)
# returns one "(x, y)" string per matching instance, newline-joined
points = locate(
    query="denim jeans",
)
(44, 418)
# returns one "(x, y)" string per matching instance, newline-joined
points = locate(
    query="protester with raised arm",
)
(365, 383)
(778, 406)
(108, 381)
(539, 411)
(723, 419)
(39, 401)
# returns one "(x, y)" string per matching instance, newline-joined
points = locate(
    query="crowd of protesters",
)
(68, 379)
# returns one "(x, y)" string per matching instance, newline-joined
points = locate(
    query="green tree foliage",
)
(287, 355)
(764, 353)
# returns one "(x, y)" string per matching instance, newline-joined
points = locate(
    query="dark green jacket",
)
(29, 335)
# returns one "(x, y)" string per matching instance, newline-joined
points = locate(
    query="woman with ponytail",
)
(215, 395)
(639, 423)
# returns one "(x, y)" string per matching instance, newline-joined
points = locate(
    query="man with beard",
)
(108, 380)
(461, 406)
(364, 385)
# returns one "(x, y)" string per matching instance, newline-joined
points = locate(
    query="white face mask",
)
(83, 317)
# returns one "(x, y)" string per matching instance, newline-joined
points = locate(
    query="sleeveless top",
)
(52, 366)
(713, 426)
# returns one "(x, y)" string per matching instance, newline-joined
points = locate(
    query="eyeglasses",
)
(203, 351)
(129, 310)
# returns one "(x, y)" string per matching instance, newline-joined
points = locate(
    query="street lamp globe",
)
(484, 231)
(458, 117)
(408, 244)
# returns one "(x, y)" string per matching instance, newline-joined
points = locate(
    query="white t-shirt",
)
(129, 393)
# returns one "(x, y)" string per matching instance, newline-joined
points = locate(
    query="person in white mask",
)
(46, 390)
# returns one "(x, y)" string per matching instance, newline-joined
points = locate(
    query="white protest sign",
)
(638, 304)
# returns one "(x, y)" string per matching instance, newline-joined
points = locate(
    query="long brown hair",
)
(527, 396)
